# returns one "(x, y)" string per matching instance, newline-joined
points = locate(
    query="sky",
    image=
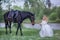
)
(21, 3)
(55, 2)
(18, 3)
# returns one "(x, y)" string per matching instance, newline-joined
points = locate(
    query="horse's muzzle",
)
(33, 23)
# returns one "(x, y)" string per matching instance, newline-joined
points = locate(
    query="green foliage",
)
(46, 11)
(1, 18)
(58, 20)
(37, 7)
(16, 7)
(53, 16)
(1, 14)
(58, 12)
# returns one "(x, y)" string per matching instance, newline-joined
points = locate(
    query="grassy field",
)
(28, 34)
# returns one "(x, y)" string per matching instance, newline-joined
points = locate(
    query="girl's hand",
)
(40, 24)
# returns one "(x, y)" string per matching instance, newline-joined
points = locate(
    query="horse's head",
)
(32, 18)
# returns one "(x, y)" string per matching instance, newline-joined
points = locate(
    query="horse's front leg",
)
(18, 28)
(10, 26)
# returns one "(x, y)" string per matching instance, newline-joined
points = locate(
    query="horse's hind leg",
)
(6, 25)
(21, 31)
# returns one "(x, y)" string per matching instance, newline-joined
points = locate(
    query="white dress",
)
(46, 30)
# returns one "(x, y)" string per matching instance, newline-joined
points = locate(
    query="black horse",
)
(17, 17)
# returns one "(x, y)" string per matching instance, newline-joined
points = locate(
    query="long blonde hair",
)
(45, 18)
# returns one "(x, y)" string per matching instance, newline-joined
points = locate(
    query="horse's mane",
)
(28, 12)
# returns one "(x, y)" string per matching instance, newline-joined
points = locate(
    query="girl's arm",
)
(40, 24)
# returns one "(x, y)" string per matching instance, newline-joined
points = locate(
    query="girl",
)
(46, 30)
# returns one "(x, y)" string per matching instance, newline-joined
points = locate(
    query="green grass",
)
(28, 34)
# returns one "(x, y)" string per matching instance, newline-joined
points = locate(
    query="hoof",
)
(21, 34)
(10, 32)
(16, 33)
(6, 33)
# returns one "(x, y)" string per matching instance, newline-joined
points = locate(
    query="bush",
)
(1, 18)
(53, 16)
(58, 20)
